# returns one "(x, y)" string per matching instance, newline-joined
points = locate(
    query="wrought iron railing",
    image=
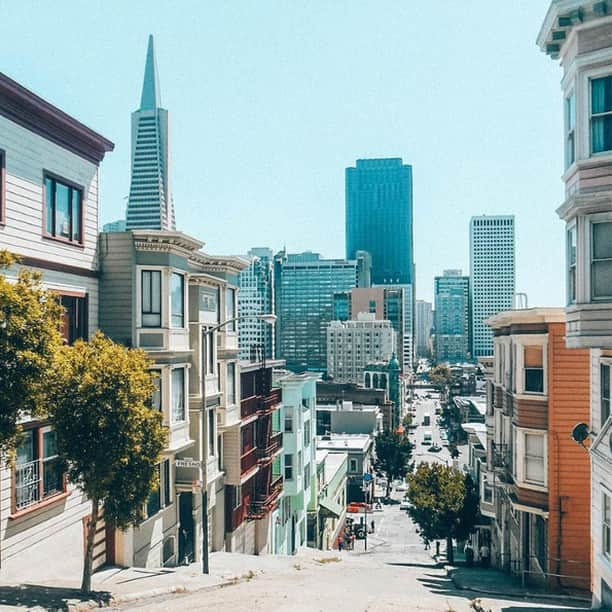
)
(27, 484)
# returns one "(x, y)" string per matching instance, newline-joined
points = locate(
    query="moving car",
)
(434, 448)
(405, 504)
(427, 438)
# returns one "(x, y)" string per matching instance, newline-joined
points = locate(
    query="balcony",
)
(248, 461)
(500, 456)
(271, 401)
(249, 406)
(274, 446)
(264, 504)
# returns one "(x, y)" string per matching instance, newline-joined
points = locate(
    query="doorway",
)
(186, 529)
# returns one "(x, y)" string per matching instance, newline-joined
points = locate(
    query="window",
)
(534, 459)
(73, 325)
(571, 265)
(2, 187)
(63, 210)
(534, 370)
(288, 421)
(210, 352)
(570, 123)
(605, 392)
(606, 521)
(154, 503)
(601, 260)
(166, 483)
(601, 114)
(37, 473)
(230, 309)
(307, 433)
(352, 465)
(487, 493)
(307, 476)
(231, 384)
(177, 299)
(151, 298)
(156, 398)
(299, 461)
(211, 432)
(288, 467)
(178, 395)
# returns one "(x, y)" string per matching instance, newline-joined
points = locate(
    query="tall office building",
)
(423, 324)
(452, 317)
(385, 303)
(150, 201)
(304, 286)
(379, 221)
(492, 275)
(255, 298)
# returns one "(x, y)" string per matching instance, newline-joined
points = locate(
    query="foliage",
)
(108, 435)
(393, 452)
(444, 503)
(440, 375)
(29, 339)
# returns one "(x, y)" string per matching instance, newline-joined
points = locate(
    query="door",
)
(293, 546)
(186, 529)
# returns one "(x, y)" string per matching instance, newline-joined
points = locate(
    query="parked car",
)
(355, 507)
(427, 438)
(405, 504)
(434, 448)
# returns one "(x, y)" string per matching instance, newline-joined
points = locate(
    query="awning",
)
(328, 507)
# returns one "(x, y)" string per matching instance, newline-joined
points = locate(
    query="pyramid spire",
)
(150, 98)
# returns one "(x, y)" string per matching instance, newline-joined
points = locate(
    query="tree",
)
(29, 339)
(109, 438)
(440, 376)
(444, 503)
(393, 452)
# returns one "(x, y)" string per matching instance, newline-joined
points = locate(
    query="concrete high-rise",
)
(150, 201)
(452, 317)
(379, 221)
(304, 286)
(492, 275)
(255, 298)
(423, 324)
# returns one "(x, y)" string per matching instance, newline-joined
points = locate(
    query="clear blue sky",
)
(270, 100)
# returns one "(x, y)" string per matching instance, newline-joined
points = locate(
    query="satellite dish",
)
(580, 433)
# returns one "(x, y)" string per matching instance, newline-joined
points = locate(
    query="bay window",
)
(533, 369)
(151, 300)
(606, 522)
(604, 371)
(601, 115)
(571, 265)
(177, 299)
(63, 208)
(570, 124)
(73, 324)
(156, 398)
(37, 472)
(288, 467)
(178, 395)
(601, 260)
(231, 384)
(534, 459)
(230, 309)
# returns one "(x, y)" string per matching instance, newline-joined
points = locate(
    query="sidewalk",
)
(494, 582)
(116, 586)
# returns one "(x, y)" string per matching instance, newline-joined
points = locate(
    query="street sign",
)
(187, 462)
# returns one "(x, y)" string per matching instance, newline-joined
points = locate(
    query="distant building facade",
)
(492, 275)
(115, 226)
(150, 200)
(386, 375)
(452, 317)
(256, 298)
(304, 286)
(351, 345)
(423, 325)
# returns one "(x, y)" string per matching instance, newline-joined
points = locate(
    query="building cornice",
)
(206, 280)
(220, 264)
(526, 316)
(164, 241)
(585, 203)
(39, 116)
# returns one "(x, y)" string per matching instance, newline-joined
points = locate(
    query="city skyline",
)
(256, 113)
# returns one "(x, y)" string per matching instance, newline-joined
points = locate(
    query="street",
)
(396, 573)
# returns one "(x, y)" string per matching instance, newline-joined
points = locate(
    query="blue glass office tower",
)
(379, 221)
(379, 218)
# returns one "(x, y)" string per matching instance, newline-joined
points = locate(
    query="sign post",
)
(367, 479)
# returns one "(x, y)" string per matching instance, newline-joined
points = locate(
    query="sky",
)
(270, 100)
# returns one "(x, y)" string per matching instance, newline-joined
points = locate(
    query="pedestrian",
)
(484, 556)
(426, 544)
(372, 524)
(340, 543)
(469, 555)
(437, 548)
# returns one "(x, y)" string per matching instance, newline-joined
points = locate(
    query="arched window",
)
(376, 381)
(383, 381)
(367, 380)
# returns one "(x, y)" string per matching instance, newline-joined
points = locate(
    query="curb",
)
(450, 571)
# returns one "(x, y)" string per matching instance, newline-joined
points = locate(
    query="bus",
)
(426, 419)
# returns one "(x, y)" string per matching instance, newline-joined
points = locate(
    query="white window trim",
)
(572, 226)
(604, 491)
(586, 251)
(519, 458)
(183, 273)
(521, 341)
(185, 368)
(165, 287)
(583, 113)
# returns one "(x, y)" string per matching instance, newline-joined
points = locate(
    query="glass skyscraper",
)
(304, 294)
(379, 218)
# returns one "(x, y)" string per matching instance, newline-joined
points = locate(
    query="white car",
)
(401, 486)
(405, 504)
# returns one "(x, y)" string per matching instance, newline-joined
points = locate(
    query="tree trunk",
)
(450, 553)
(388, 486)
(92, 525)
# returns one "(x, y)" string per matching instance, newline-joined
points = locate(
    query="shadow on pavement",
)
(540, 608)
(424, 565)
(49, 598)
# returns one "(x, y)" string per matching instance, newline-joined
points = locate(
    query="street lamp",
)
(270, 319)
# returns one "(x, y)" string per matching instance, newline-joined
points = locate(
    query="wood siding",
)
(27, 155)
(529, 497)
(529, 413)
(568, 463)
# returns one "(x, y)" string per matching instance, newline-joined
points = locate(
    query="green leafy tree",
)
(440, 376)
(444, 504)
(29, 339)
(108, 435)
(393, 452)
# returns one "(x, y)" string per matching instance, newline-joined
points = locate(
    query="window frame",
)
(606, 527)
(173, 420)
(151, 312)
(520, 458)
(230, 290)
(173, 275)
(604, 364)
(72, 186)
(521, 341)
(570, 130)
(593, 221)
(288, 418)
(571, 268)
(230, 366)
(288, 468)
(590, 79)
(159, 383)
